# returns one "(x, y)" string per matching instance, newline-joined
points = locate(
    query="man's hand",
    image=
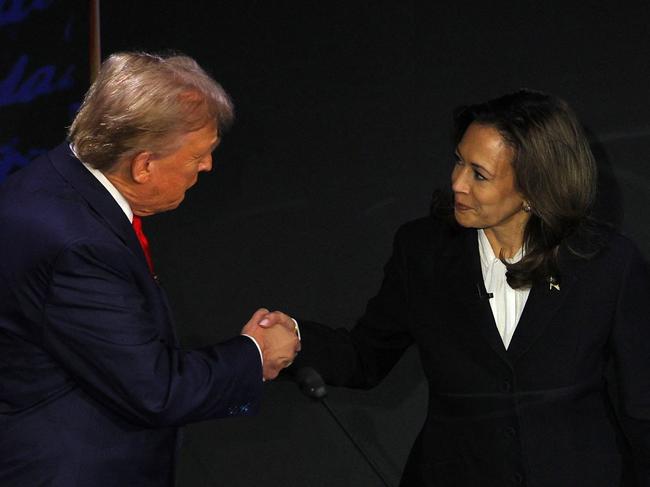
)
(276, 335)
(278, 318)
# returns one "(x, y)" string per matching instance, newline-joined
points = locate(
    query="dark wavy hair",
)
(554, 170)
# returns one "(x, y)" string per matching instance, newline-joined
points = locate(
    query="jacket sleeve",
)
(631, 342)
(107, 333)
(363, 356)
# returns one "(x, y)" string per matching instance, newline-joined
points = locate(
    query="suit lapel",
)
(97, 197)
(462, 275)
(543, 303)
(106, 208)
(465, 280)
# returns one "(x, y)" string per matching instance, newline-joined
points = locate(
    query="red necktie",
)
(142, 238)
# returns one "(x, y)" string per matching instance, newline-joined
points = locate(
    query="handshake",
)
(277, 336)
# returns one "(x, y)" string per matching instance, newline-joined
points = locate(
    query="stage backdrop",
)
(342, 133)
(43, 74)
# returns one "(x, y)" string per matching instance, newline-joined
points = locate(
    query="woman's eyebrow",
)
(475, 165)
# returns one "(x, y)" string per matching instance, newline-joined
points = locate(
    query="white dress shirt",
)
(117, 196)
(507, 304)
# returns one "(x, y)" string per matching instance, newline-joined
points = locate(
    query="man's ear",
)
(141, 167)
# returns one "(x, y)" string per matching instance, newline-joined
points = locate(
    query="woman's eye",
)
(457, 160)
(479, 177)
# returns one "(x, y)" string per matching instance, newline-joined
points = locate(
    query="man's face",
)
(170, 176)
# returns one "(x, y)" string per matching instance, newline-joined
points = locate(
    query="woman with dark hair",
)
(552, 168)
(517, 303)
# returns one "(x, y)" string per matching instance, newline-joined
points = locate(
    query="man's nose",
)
(206, 164)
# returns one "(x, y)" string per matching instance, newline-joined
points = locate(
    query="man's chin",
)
(169, 206)
(174, 204)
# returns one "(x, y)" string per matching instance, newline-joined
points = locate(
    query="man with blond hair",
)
(93, 383)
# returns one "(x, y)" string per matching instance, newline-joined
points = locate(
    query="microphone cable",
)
(312, 385)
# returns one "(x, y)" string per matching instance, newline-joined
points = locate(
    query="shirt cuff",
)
(296, 329)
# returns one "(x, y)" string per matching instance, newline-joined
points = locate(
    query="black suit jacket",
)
(537, 414)
(93, 383)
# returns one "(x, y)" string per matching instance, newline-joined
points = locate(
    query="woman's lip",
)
(461, 207)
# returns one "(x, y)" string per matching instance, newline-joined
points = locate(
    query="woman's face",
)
(483, 182)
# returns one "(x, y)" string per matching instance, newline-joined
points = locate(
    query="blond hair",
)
(142, 101)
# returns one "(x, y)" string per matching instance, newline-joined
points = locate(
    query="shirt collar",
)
(117, 196)
(487, 254)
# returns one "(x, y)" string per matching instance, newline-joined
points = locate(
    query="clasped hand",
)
(275, 333)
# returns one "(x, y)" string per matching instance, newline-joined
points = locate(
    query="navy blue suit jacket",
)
(93, 384)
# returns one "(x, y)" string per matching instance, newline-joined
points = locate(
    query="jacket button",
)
(510, 432)
(506, 386)
(517, 479)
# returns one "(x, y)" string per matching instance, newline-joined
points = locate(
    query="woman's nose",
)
(459, 180)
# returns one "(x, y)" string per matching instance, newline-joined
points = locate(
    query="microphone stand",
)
(313, 386)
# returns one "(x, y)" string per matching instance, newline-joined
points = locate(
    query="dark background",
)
(342, 133)
(43, 75)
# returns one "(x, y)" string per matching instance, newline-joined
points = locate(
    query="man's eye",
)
(479, 177)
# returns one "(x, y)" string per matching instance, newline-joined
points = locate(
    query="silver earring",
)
(526, 206)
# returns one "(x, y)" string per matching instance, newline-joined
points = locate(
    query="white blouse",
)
(507, 303)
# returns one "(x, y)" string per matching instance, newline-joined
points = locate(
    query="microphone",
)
(481, 294)
(312, 385)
